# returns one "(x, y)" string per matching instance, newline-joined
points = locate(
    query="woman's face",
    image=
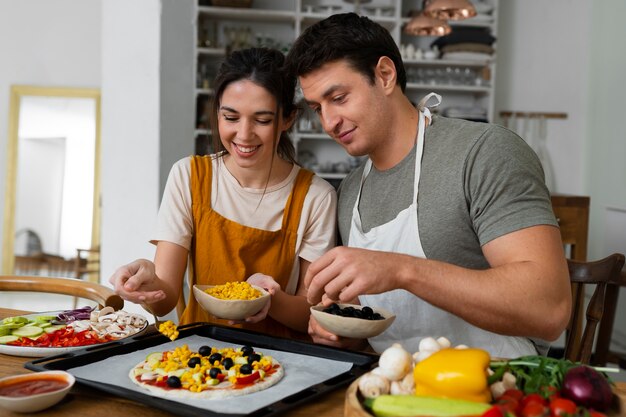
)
(246, 118)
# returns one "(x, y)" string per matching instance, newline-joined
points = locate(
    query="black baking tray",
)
(361, 363)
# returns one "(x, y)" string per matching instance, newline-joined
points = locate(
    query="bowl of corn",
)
(232, 300)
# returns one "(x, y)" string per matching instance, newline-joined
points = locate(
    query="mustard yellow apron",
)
(223, 250)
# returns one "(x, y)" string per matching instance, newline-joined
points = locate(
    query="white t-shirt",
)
(258, 208)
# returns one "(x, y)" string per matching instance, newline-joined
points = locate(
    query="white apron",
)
(415, 318)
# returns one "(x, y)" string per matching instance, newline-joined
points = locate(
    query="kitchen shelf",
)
(446, 87)
(242, 13)
(280, 22)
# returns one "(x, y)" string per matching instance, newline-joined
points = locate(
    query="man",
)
(448, 224)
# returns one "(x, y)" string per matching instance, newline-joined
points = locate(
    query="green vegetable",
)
(413, 405)
(7, 339)
(535, 373)
(28, 331)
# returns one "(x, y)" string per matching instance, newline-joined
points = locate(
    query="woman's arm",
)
(156, 285)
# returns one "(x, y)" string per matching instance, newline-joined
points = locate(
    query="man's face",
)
(350, 107)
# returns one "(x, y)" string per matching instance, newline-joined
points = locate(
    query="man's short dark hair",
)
(346, 36)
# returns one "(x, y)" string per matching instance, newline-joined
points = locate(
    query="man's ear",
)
(385, 73)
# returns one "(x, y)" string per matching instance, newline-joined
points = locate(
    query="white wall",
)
(46, 43)
(542, 65)
(605, 147)
(130, 130)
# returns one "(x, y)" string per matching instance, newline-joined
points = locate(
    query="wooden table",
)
(88, 402)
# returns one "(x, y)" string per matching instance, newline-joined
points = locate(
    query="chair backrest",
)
(104, 296)
(578, 347)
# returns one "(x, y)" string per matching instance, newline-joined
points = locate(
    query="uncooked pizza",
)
(209, 373)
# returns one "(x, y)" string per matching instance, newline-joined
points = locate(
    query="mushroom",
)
(444, 343)
(430, 344)
(372, 385)
(395, 362)
(405, 386)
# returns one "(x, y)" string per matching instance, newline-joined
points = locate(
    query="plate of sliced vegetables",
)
(56, 332)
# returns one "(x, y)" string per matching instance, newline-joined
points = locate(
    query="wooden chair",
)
(578, 347)
(102, 295)
(603, 353)
(87, 262)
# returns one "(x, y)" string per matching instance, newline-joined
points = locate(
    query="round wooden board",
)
(352, 403)
(354, 408)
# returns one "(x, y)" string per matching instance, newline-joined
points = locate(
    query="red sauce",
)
(32, 386)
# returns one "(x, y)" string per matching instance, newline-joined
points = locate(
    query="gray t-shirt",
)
(478, 182)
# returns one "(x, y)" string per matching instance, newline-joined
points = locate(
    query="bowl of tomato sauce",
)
(29, 393)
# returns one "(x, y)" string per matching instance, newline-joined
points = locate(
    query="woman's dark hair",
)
(357, 39)
(264, 67)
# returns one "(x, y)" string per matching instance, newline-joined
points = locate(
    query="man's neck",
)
(401, 138)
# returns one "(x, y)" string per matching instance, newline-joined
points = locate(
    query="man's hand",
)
(344, 273)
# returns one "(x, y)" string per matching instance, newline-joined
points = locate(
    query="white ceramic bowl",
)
(229, 309)
(36, 402)
(351, 326)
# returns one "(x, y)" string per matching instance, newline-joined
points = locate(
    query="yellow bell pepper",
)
(454, 373)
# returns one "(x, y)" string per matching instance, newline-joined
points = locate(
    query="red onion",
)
(587, 387)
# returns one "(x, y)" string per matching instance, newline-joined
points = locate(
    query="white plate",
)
(37, 352)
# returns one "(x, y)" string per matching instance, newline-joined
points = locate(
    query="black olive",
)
(247, 350)
(246, 369)
(357, 313)
(215, 357)
(255, 357)
(214, 372)
(377, 316)
(205, 350)
(173, 382)
(367, 311)
(227, 363)
(193, 362)
(334, 306)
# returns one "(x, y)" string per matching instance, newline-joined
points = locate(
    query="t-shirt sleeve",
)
(505, 186)
(175, 219)
(320, 231)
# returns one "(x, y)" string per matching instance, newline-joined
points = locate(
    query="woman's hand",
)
(324, 337)
(271, 286)
(264, 281)
(137, 282)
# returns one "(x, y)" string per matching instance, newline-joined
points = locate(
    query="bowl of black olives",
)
(351, 320)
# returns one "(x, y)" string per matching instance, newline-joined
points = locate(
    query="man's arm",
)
(526, 291)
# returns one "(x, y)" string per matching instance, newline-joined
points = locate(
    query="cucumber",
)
(7, 339)
(5, 330)
(413, 405)
(53, 328)
(154, 358)
(28, 331)
(15, 320)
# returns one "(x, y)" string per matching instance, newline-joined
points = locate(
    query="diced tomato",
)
(63, 338)
(248, 379)
(549, 392)
(533, 398)
(220, 377)
(513, 393)
(593, 413)
(562, 407)
(508, 404)
(534, 409)
(494, 411)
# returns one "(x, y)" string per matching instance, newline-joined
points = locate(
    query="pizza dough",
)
(210, 373)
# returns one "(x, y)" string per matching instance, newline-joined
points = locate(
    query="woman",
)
(247, 212)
